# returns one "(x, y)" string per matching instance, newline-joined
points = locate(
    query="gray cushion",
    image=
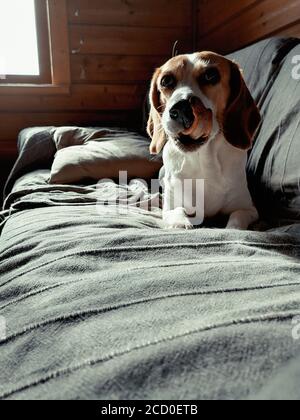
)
(96, 153)
(36, 151)
(273, 166)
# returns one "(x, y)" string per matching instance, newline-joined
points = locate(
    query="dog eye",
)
(168, 81)
(211, 76)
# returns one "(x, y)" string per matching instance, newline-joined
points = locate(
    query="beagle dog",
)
(204, 118)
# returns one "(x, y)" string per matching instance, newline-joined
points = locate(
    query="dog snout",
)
(182, 113)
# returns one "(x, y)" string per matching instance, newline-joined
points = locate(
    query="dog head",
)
(194, 97)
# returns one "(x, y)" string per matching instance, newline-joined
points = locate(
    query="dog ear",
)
(154, 127)
(242, 117)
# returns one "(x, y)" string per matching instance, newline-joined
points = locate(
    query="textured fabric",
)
(105, 305)
(36, 151)
(274, 164)
(273, 168)
(284, 385)
(100, 153)
(262, 62)
(106, 151)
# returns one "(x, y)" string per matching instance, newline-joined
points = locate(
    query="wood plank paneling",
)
(59, 39)
(247, 24)
(213, 13)
(114, 40)
(82, 98)
(291, 30)
(143, 13)
(114, 68)
(11, 123)
(123, 42)
(14, 121)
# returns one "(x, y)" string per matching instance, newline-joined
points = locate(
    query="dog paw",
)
(177, 219)
(181, 225)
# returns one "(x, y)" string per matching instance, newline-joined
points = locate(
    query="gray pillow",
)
(274, 162)
(36, 151)
(97, 153)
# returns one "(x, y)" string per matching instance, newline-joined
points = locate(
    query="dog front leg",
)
(242, 219)
(174, 213)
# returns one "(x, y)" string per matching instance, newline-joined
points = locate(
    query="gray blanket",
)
(98, 301)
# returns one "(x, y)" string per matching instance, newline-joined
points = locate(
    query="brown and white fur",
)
(204, 118)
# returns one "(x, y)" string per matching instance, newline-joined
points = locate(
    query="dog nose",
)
(182, 113)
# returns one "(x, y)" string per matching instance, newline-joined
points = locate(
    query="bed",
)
(99, 301)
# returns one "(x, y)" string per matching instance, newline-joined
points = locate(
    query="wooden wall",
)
(114, 47)
(225, 26)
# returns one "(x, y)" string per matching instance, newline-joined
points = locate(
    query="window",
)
(24, 42)
(34, 47)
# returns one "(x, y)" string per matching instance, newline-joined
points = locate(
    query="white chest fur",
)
(223, 169)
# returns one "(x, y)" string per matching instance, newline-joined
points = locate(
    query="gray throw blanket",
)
(98, 301)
